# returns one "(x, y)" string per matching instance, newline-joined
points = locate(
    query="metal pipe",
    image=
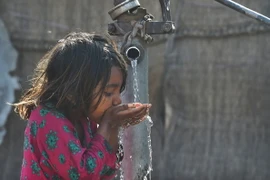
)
(165, 8)
(133, 53)
(122, 6)
(246, 11)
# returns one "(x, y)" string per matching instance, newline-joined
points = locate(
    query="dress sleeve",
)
(58, 140)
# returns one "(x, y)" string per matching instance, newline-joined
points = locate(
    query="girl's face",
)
(111, 96)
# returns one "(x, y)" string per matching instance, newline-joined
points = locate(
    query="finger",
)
(136, 110)
(122, 107)
(135, 104)
(144, 112)
(141, 114)
(138, 118)
(148, 105)
(138, 121)
(126, 122)
(131, 112)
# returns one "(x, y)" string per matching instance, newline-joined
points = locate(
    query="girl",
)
(74, 111)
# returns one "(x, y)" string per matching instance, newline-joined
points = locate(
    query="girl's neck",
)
(76, 116)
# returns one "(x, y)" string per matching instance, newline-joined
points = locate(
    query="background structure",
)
(209, 83)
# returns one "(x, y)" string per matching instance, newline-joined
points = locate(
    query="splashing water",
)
(149, 122)
(121, 151)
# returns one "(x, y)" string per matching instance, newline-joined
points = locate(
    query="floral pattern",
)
(52, 149)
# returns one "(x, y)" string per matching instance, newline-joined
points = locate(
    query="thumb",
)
(124, 107)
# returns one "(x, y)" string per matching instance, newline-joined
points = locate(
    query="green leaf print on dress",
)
(56, 177)
(46, 163)
(43, 112)
(82, 163)
(26, 143)
(35, 168)
(42, 124)
(73, 147)
(46, 175)
(32, 148)
(108, 146)
(91, 164)
(50, 107)
(100, 154)
(33, 129)
(45, 155)
(58, 115)
(107, 170)
(66, 129)
(62, 158)
(73, 174)
(51, 140)
(76, 134)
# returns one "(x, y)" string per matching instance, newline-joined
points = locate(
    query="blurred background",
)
(209, 83)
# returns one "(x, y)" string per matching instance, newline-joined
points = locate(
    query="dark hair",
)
(70, 72)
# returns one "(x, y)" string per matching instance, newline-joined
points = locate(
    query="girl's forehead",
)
(116, 76)
(116, 79)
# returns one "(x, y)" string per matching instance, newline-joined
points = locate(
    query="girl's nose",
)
(117, 100)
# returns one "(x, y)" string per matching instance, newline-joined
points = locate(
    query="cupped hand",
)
(125, 115)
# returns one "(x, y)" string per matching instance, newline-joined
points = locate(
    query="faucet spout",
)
(133, 53)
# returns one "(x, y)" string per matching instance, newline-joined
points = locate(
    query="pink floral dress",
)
(52, 149)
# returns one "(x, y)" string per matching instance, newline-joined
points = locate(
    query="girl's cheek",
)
(103, 100)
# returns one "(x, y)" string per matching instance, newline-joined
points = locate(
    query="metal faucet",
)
(125, 12)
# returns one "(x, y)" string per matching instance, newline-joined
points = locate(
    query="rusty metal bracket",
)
(152, 28)
(126, 12)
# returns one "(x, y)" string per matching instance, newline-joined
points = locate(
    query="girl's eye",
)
(107, 94)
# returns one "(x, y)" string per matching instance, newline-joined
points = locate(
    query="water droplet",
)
(121, 142)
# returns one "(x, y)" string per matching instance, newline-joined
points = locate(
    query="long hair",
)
(70, 72)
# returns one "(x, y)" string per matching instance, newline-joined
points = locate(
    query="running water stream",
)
(148, 122)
